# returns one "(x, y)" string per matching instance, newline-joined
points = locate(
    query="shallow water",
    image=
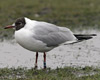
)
(86, 53)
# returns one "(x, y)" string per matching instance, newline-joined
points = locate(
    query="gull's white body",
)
(35, 36)
(27, 41)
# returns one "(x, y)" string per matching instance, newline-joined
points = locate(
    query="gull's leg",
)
(36, 60)
(44, 60)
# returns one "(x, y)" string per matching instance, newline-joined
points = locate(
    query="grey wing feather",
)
(52, 39)
(51, 34)
(43, 28)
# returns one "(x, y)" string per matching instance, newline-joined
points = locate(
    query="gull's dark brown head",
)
(19, 23)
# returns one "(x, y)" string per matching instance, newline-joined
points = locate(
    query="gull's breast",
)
(25, 39)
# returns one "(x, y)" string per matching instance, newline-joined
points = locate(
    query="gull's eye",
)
(19, 23)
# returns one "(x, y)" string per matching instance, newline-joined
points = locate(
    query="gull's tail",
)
(82, 37)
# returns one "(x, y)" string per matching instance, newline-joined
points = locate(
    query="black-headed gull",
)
(40, 36)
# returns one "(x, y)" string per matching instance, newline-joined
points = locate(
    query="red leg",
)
(36, 59)
(44, 60)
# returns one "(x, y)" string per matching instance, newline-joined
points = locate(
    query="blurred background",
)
(81, 16)
(74, 14)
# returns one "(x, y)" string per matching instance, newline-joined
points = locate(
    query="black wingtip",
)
(84, 36)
